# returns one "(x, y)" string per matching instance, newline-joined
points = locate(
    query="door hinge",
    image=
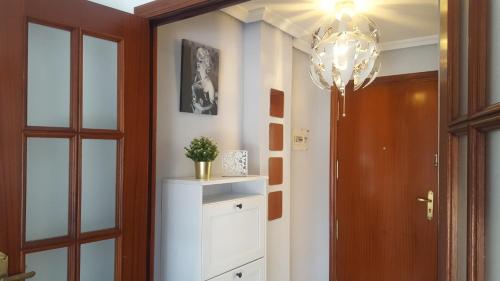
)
(337, 169)
(436, 160)
(337, 229)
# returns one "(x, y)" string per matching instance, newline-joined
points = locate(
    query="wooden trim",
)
(459, 129)
(152, 151)
(334, 115)
(167, 11)
(408, 76)
(448, 74)
(488, 111)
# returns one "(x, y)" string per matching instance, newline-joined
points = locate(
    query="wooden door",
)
(386, 151)
(74, 140)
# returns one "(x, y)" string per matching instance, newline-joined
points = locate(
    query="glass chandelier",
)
(345, 49)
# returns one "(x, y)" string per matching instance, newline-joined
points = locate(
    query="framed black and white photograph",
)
(199, 78)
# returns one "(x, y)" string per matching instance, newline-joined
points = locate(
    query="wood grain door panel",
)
(386, 150)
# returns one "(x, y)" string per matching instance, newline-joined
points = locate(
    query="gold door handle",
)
(430, 204)
(4, 265)
(19, 277)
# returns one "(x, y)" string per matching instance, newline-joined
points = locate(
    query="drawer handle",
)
(239, 275)
(239, 206)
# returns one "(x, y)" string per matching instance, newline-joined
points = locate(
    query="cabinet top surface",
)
(213, 180)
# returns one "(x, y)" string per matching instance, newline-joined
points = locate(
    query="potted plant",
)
(203, 152)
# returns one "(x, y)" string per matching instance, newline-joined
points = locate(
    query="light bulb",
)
(327, 6)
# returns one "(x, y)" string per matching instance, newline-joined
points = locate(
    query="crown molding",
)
(305, 46)
(302, 45)
(267, 15)
(409, 43)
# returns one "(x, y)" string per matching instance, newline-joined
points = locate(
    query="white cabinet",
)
(233, 234)
(212, 228)
(254, 271)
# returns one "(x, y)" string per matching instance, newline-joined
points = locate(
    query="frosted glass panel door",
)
(99, 173)
(47, 188)
(49, 65)
(494, 61)
(464, 57)
(492, 216)
(100, 83)
(49, 265)
(97, 261)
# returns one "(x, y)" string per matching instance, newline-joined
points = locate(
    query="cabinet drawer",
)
(233, 234)
(254, 271)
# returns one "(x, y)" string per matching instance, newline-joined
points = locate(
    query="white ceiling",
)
(124, 5)
(397, 19)
(402, 23)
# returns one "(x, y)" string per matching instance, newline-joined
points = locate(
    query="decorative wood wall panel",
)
(275, 204)
(275, 137)
(277, 103)
(275, 171)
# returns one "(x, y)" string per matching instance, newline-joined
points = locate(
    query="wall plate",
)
(300, 139)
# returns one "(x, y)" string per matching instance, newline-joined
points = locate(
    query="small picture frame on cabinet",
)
(235, 163)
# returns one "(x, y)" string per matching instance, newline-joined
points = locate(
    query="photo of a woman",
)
(200, 67)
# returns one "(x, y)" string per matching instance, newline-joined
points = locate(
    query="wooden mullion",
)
(47, 244)
(487, 123)
(100, 134)
(488, 111)
(476, 205)
(459, 128)
(99, 235)
(49, 133)
(453, 182)
(71, 262)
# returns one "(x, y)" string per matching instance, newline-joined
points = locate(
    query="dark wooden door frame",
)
(334, 117)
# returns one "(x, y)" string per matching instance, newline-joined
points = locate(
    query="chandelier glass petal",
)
(345, 49)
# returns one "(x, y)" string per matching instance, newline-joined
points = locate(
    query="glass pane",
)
(98, 184)
(47, 188)
(49, 69)
(100, 83)
(97, 261)
(492, 219)
(494, 61)
(464, 56)
(49, 265)
(462, 210)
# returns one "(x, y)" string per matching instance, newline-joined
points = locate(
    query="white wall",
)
(268, 64)
(310, 169)
(410, 60)
(310, 177)
(175, 129)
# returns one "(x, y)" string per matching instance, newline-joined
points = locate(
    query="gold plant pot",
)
(203, 170)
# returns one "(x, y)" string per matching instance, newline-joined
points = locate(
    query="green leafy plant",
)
(202, 150)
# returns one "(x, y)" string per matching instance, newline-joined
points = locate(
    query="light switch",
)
(300, 139)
